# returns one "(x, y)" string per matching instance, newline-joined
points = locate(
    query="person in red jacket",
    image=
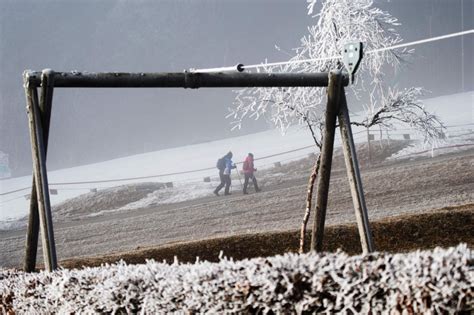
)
(249, 169)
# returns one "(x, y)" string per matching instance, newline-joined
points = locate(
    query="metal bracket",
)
(352, 56)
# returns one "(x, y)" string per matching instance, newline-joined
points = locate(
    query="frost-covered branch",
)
(406, 108)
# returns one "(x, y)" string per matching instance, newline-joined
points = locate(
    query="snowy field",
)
(456, 111)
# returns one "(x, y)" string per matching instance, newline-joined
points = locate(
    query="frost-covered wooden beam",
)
(189, 80)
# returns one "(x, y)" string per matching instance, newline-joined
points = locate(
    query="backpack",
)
(220, 164)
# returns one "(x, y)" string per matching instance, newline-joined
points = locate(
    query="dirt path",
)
(409, 187)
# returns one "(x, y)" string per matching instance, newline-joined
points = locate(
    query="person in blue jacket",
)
(225, 166)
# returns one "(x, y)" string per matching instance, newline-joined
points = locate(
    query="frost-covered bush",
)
(438, 281)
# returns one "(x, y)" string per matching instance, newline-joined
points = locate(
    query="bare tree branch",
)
(406, 108)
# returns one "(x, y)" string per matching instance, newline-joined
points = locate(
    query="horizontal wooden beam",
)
(190, 80)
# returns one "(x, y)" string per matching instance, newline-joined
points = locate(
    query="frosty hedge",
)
(440, 281)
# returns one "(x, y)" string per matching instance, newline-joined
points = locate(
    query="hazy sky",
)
(158, 36)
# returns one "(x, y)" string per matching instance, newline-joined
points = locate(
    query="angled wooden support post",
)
(40, 206)
(31, 247)
(353, 173)
(332, 108)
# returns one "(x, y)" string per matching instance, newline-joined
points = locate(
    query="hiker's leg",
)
(246, 182)
(227, 184)
(221, 176)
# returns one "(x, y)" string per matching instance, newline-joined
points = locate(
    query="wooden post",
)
(369, 151)
(353, 174)
(332, 108)
(381, 136)
(37, 117)
(33, 219)
(32, 232)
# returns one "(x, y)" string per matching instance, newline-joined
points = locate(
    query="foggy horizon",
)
(93, 125)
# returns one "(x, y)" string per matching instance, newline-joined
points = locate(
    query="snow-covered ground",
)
(456, 110)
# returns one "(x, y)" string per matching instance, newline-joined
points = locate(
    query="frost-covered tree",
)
(337, 23)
